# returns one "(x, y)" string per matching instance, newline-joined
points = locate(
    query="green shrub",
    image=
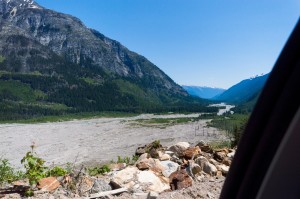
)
(35, 169)
(56, 171)
(98, 170)
(7, 173)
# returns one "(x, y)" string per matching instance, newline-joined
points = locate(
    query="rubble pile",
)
(158, 170)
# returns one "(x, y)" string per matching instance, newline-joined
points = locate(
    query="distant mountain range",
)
(203, 91)
(244, 91)
(51, 64)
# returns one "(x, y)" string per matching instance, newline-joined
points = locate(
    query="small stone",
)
(48, 184)
(231, 154)
(118, 166)
(152, 195)
(165, 157)
(100, 185)
(206, 149)
(224, 169)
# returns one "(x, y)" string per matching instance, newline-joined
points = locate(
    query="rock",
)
(224, 169)
(126, 176)
(210, 169)
(231, 154)
(140, 150)
(180, 180)
(201, 161)
(179, 148)
(214, 162)
(206, 149)
(150, 182)
(143, 156)
(152, 195)
(118, 166)
(219, 156)
(169, 167)
(114, 185)
(192, 152)
(170, 153)
(165, 157)
(226, 161)
(154, 153)
(85, 185)
(201, 143)
(195, 168)
(176, 159)
(149, 163)
(100, 185)
(48, 184)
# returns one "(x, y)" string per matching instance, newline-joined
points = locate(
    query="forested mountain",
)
(244, 91)
(203, 91)
(51, 63)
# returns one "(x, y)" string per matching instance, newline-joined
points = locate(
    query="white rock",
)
(151, 182)
(183, 144)
(169, 167)
(224, 169)
(152, 195)
(209, 168)
(126, 176)
(165, 157)
(231, 155)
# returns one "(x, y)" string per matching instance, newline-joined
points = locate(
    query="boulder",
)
(226, 161)
(219, 156)
(154, 153)
(48, 184)
(209, 168)
(192, 152)
(201, 143)
(231, 154)
(126, 177)
(118, 166)
(148, 163)
(179, 148)
(100, 185)
(169, 167)
(180, 180)
(206, 149)
(201, 161)
(150, 182)
(183, 144)
(165, 157)
(224, 169)
(152, 195)
(140, 150)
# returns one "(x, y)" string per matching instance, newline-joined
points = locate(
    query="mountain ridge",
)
(203, 91)
(78, 69)
(244, 91)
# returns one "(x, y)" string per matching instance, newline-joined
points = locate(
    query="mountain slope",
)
(244, 90)
(203, 92)
(68, 67)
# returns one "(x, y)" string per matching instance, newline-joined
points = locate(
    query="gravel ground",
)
(95, 140)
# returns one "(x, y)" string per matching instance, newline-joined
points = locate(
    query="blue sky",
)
(213, 43)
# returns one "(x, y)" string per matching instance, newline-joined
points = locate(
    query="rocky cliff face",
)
(27, 29)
